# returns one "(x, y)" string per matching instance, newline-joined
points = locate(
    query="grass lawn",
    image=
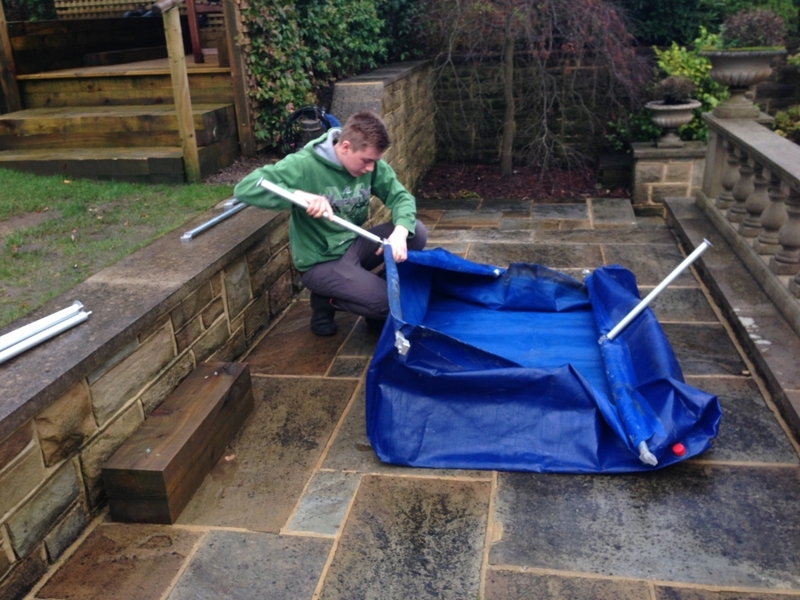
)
(55, 233)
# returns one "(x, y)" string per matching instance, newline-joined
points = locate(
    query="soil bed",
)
(459, 180)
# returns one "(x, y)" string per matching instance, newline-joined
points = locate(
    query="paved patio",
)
(299, 507)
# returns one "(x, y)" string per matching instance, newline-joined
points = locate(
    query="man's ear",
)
(344, 145)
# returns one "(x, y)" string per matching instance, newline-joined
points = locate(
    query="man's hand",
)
(397, 240)
(317, 205)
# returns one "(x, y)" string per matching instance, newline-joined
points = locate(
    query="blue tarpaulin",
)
(480, 367)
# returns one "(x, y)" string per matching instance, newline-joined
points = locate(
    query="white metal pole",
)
(279, 191)
(656, 291)
(40, 337)
(26, 331)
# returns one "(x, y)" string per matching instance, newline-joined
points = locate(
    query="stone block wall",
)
(403, 95)
(659, 173)
(471, 105)
(50, 462)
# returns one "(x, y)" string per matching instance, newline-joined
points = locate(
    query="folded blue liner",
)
(480, 367)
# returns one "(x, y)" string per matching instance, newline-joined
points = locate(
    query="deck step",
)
(104, 126)
(163, 164)
(124, 84)
(154, 474)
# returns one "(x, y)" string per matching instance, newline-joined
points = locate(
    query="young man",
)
(336, 174)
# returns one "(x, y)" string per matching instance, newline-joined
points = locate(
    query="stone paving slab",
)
(124, 562)
(680, 304)
(748, 430)
(677, 593)
(704, 349)
(511, 585)
(628, 237)
(411, 538)
(650, 263)
(708, 525)
(469, 218)
(351, 450)
(257, 483)
(324, 503)
(612, 213)
(291, 349)
(560, 212)
(554, 257)
(243, 566)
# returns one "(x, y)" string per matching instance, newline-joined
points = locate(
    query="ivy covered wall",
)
(296, 50)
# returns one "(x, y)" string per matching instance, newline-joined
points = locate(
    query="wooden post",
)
(241, 96)
(8, 75)
(194, 34)
(180, 90)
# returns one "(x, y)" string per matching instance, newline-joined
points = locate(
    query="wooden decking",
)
(119, 122)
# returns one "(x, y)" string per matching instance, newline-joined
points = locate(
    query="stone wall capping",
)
(125, 299)
(648, 151)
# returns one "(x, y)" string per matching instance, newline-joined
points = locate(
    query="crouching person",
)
(336, 174)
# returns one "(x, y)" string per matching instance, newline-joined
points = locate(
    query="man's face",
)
(358, 162)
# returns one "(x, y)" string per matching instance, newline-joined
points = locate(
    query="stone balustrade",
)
(751, 191)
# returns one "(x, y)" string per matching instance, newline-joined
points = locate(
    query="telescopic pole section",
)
(190, 235)
(31, 329)
(40, 337)
(658, 289)
(287, 195)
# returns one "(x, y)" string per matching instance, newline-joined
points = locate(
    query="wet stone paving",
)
(299, 506)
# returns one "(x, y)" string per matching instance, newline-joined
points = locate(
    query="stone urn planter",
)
(738, 70)
(670, 117)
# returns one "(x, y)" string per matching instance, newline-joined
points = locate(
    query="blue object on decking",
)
(504, 371)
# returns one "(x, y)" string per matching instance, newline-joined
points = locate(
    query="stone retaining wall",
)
(148, 330)
(403, 95)
(68, 404)
(660, 173)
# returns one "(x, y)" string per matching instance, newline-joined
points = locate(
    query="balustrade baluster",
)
(730, 175)
(786, 261)
(741, 190)
(773, 217)
(755, 205)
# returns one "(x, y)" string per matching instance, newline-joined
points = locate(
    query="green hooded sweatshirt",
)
(315, 170)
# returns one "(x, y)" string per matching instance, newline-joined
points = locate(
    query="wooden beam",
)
(180, 90)
(8, 76)
(194, 34)
(241, 96)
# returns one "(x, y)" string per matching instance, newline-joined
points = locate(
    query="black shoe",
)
(375, 325)
(322, 312)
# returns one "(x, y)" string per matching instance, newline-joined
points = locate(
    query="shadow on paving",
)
(300, 507)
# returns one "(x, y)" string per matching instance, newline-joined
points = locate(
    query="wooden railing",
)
(751, 191)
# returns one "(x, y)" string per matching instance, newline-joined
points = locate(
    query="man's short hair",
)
(364, 129)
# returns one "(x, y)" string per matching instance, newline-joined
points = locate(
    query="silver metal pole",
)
(26, 331)
(40, 337)
(656, 291)
(279, 191)
(187, 237)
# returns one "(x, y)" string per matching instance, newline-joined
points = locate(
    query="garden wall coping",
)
(125, 300)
